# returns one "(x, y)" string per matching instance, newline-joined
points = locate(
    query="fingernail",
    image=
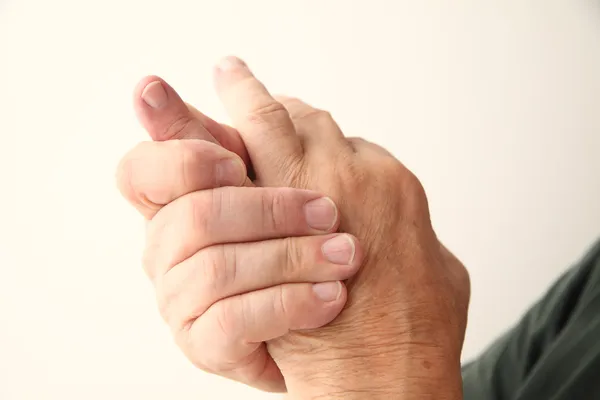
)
(230, 172)
(327, 291)
(339, 250)
(154, 95)
(231, 63)
(321, 213)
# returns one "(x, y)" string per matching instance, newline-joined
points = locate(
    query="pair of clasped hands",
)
(320, 276)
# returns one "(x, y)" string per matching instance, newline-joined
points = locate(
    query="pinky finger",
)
(228, 338)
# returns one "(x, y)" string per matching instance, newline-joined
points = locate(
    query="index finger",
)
(263, 123)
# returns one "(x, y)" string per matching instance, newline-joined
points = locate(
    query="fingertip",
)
(332, 301)
(141, 86)
(322, 214)
(228, 70)
(343, 249)
(156, 103)
(231, 171)
(163, 114)
(359, 253)
(231, 63)
(328, 292)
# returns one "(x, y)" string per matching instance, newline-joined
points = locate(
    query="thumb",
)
(165, 116)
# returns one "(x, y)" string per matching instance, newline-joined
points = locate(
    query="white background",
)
(493, 103)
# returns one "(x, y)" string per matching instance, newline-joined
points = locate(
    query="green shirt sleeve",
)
(553, 353)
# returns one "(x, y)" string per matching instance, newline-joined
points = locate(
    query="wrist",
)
(402, 374)
(385, 352)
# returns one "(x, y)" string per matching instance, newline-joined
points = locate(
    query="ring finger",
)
(232, 215)
(188, 289)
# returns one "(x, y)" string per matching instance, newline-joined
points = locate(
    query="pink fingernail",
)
(230, 172)
(339, 250)
(154, 95)
(328, 291)
(321, 214)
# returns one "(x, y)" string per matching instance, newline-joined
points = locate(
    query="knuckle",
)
(220, 201)
(300, 110)
(356, 143)
(199, 207)
(274, 210)
(392, 169)
(293, 260)
(319, 115)
(183, 158)
(272, 114)
(395, 170)
(281, 306)
(215, 274)
(413, 187)
(177, 128)
(409, 185)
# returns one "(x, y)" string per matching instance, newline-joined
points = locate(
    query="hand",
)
(413, 344)
(401, 333)
(235, 266)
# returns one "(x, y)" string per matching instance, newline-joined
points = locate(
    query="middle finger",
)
(233, 215)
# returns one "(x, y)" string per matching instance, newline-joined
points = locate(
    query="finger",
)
(212, 274)
(315, 126)
(163, 114)
(263, 123)
(232, 215)
(243, 322)
(153, 174)
(226, 135)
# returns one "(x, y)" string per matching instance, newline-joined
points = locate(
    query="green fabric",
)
(554, 351)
